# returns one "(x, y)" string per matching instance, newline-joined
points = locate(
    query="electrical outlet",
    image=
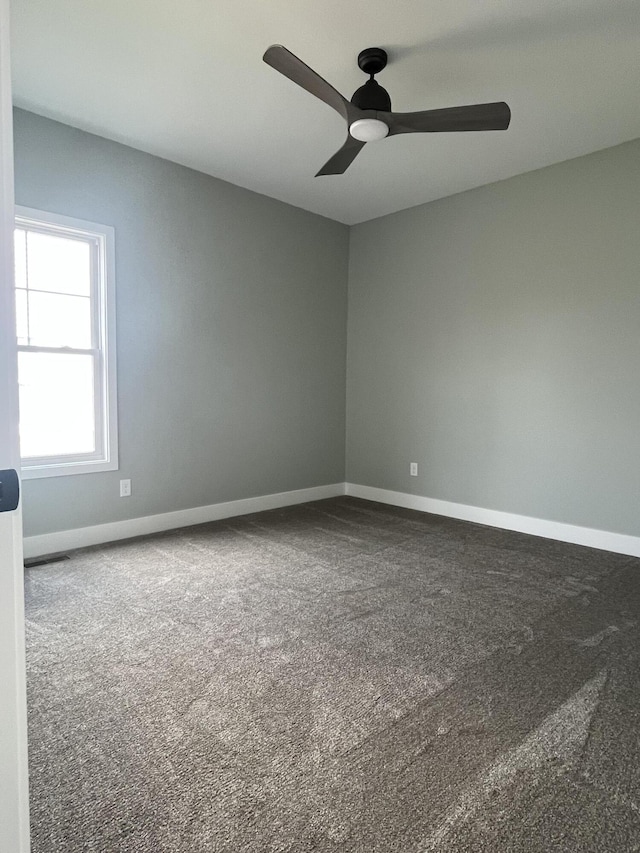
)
(125, 488)
(413, 469)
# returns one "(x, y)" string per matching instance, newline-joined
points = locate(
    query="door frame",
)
(14, 787)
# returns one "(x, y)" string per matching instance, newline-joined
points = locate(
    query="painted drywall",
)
(231, 321)
(494, 338)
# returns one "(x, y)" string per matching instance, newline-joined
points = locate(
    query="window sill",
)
(65, 469)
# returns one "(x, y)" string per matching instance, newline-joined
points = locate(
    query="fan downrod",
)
(372, 60)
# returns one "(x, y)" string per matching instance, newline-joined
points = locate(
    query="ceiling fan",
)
(368, 113)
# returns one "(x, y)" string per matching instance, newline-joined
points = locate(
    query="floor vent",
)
(44, 561)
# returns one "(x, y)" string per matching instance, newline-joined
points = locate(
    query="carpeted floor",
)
(339, 676)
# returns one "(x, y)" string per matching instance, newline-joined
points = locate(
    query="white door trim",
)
(14, 791)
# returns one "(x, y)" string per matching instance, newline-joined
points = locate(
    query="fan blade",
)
(473, 117)
(286, 63)
(343, 158)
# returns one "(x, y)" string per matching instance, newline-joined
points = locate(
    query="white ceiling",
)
(185, 80)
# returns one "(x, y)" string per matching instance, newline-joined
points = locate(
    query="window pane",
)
(22, 325)
(20, 257)
(56, 404)
(59, 264)
(59, 321)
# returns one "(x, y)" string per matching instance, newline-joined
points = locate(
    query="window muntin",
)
(66, 346)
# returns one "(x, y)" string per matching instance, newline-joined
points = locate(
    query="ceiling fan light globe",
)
(368, 129)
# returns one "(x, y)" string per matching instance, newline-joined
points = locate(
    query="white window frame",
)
(105, 457)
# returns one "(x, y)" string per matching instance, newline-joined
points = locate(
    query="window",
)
(64, 272)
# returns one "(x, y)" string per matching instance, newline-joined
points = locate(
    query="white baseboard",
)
(66, 540)
(620, 543)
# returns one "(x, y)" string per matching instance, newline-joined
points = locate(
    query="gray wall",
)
(231, 313)
(494, 338)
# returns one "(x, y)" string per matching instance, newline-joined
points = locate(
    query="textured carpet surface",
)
(339, 676)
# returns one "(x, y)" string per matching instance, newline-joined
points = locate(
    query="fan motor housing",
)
(372, 96)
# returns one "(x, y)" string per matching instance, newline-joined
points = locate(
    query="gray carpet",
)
(339, 676)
